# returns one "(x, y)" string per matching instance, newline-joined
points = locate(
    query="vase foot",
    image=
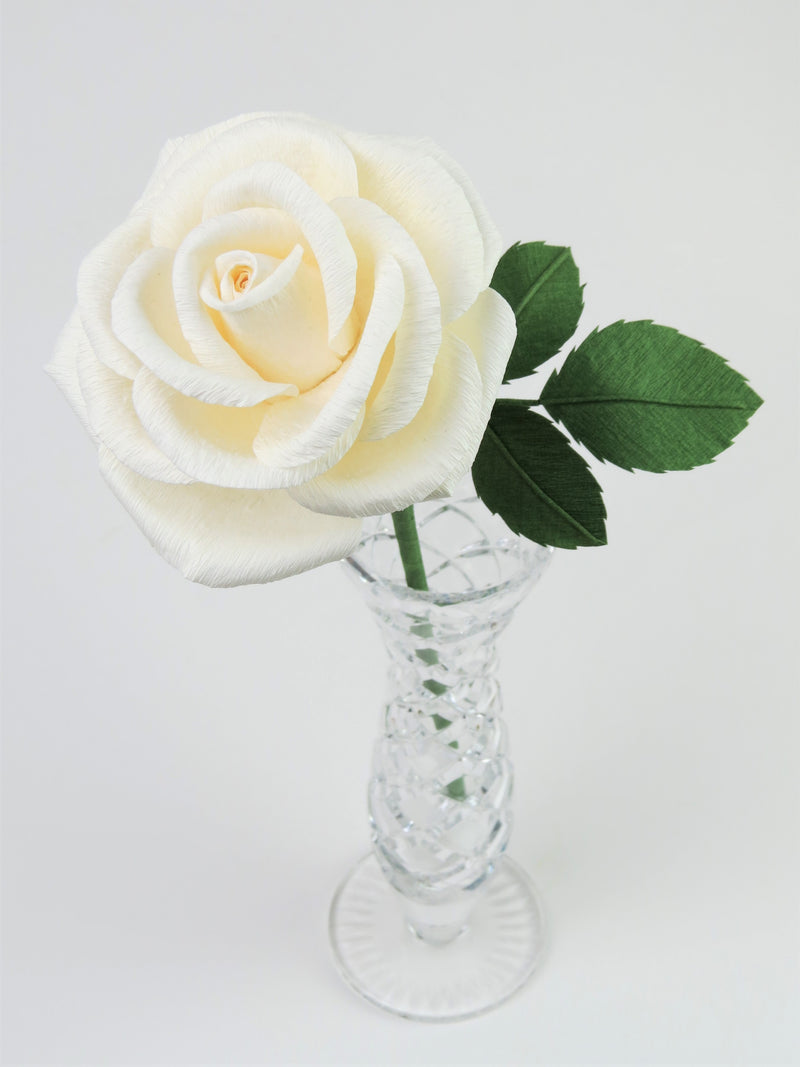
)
(381, 958)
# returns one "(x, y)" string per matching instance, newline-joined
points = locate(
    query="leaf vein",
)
(537, 489)
(558, 400)
(537, 285)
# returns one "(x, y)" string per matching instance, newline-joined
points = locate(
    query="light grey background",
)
(185, 768)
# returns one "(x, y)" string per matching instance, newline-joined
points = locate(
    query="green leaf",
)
(527, 473)
(644, 396)
(542, 285)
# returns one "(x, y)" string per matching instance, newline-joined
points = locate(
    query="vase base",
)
(381, 958)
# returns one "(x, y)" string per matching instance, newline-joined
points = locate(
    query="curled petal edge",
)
(161, 347)
(227, 537)
(439, 444)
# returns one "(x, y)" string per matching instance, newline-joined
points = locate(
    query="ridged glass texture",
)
(439, 794)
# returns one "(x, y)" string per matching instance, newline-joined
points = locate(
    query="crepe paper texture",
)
(636, 394)
(644, 396)
(542, 285)
(527, 471)
(292, 330)
(298, 326)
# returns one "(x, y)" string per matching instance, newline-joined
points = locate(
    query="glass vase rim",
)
(532, 558)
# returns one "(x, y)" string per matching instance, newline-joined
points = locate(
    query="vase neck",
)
(438, 797)
(439, 659)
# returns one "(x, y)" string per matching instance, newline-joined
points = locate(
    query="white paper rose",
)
(292, 330)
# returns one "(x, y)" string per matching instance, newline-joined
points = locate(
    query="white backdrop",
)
(185, 768)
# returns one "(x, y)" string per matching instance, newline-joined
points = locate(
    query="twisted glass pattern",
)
(439, 795)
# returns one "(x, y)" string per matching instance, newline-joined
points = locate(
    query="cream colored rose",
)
(292, 330)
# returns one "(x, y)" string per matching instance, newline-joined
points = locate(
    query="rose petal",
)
(399, 420)
(490, 329)
(227, 537)
(145, 319)
(300, 431)
(98, 278)
(279, 325)
(63, 369)
(310, 149)
(439, 444)
(401, 390)
(492, 241)
(430, 204)
(213, 443)
(270, 277)
(179, 150)
(110, 411)
(196, 255)
(275, 185)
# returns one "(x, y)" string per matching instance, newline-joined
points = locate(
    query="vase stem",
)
(437, 923)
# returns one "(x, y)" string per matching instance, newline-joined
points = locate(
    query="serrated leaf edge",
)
(553, 405)
(537, 489)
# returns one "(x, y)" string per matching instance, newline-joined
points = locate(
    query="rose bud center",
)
(272, 311)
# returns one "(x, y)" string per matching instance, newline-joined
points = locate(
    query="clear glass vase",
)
(436, 923)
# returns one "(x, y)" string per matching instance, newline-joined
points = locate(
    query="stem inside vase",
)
(405, 528)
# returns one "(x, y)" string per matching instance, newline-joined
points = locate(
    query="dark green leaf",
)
(644, 396)
(542, 285)
(526, 472)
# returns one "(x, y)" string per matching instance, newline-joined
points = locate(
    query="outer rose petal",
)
(98, 277)
(109, 408)
(225, 537)
(492, 242)
(179, 150)
(490, 329)
(429, 203)
(311, 149)
(376, 477)
(63, 369)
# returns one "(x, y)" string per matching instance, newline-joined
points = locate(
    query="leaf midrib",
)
(537, 285)
(555, 399)
(537, 489)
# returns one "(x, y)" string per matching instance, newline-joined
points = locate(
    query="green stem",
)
(405, 528)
